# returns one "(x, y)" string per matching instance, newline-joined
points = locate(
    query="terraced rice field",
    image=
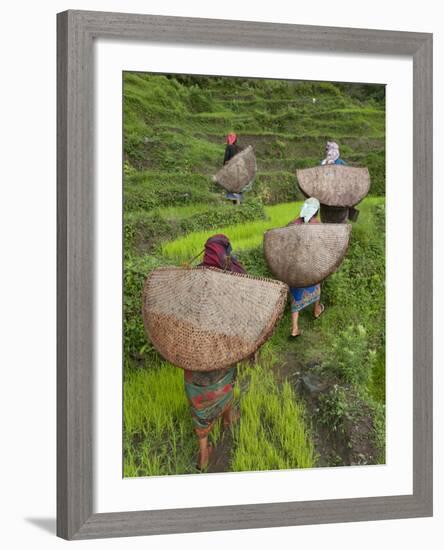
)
(174, 130)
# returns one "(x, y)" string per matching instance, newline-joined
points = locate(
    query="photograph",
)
(225, 212)
(253, 274)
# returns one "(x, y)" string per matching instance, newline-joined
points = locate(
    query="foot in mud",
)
(221, 458)
(204, 457)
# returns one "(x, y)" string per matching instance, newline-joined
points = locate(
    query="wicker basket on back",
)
(304, 255)
(205, 319)
(238, 172)
(335, 184)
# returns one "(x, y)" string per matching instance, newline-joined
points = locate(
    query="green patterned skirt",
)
(209, 395)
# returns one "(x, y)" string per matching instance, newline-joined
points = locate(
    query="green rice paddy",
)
(242, 236)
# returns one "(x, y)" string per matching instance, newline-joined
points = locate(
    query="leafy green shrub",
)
(358, 420)
(254, 262)
(136, 268)
(350, 358)
(334, 407)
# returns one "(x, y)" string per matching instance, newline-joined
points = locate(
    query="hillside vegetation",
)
(319, 399)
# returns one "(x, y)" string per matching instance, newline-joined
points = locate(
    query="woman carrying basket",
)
(210, 393)
(333, 156)
(331, 213)
(231, 150)
(305, 296)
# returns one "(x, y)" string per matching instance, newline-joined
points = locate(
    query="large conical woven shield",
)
(238, 172)
(334, 184)
(205, 319)
(304, 255)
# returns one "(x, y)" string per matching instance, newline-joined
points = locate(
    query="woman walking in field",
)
(231, 150)
(305, 296)
(333, 156)
(210, 393)
(330, 213)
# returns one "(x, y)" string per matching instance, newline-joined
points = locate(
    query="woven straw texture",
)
(303, 255)
(238, 172)
(335, 184)
(205, 319)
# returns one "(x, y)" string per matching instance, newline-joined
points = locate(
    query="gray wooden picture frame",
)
(76, 32)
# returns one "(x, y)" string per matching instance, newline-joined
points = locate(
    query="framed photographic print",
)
(242, 340)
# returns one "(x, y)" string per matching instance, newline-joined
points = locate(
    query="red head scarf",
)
(218, 254)
(231, 138)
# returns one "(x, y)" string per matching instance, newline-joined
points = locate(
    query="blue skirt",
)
(303, 297)
(234, 196)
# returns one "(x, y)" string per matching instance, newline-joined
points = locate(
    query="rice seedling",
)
(158, 432)
(242, 236)
(272, 432)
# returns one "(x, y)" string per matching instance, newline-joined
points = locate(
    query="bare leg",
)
(230, 416)
(204, 452)
(318, 308)
(294, 323)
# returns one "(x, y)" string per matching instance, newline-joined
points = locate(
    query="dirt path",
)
(354, 443)
(221, 457)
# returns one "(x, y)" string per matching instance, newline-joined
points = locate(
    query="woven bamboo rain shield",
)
(238, 172)
(304, 255)
(206, 319)
(335, 184)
